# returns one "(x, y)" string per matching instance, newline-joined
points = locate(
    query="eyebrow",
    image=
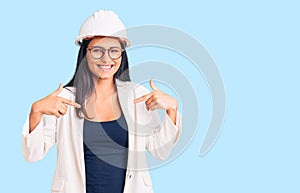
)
(106, 48)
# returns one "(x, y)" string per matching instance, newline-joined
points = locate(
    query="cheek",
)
(89, 59)
(118, 63)
(90, 63)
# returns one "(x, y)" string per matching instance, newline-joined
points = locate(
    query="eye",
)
(115, 50)
(97, 50)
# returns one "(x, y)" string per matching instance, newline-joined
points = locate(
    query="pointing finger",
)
(76, 105)
(70, 102)
(142, 98)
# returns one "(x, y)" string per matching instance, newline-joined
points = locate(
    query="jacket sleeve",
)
(36, 144)
(161, 136)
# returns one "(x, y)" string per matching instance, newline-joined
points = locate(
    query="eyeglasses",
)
(98, 52)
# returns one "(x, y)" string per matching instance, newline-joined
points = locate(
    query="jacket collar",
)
(120, 83)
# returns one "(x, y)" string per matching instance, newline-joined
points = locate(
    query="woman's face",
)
(104, 67)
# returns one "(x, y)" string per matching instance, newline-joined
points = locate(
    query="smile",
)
(106, 68)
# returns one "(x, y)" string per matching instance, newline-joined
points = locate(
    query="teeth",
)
(106, 67)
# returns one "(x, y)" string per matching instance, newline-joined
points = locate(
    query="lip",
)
(106, 67)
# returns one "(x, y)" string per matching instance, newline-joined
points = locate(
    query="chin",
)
(106, 76)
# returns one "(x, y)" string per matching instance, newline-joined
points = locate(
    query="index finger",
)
(142, 98)
(70, 102)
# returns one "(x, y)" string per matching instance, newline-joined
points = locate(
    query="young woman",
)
(101, 122)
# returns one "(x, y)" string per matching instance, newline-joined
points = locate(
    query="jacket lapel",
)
(126, 97)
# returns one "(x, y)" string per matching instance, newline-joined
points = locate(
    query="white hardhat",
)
(103, 23)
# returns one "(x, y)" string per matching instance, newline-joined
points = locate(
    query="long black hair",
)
(82, 79)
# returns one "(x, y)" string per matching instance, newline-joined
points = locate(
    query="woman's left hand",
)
(159, 100)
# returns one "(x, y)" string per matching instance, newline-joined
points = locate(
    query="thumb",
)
(57, 91)
(152, 85)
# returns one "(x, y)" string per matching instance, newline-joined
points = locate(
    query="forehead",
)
(105, 42)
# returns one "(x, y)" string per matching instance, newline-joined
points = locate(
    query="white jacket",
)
(145, 132)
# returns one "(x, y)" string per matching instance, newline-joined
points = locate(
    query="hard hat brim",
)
(79, 39)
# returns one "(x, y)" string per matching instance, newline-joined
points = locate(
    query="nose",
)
(106, 58)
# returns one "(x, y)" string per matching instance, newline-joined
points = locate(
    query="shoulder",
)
(68, 92)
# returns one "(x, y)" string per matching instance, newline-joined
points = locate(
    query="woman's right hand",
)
(50, 105)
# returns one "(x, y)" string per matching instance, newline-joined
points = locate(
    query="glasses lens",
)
(97, 52)
(115, 53)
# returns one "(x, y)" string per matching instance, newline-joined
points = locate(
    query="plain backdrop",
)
(255, 45)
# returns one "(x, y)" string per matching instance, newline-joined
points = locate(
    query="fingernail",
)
(76, 105)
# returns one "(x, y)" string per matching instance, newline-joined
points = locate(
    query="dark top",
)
(105, 155)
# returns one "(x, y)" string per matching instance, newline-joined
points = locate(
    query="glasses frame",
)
(90, 49)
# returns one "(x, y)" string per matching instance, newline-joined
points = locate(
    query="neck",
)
(104, 87)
